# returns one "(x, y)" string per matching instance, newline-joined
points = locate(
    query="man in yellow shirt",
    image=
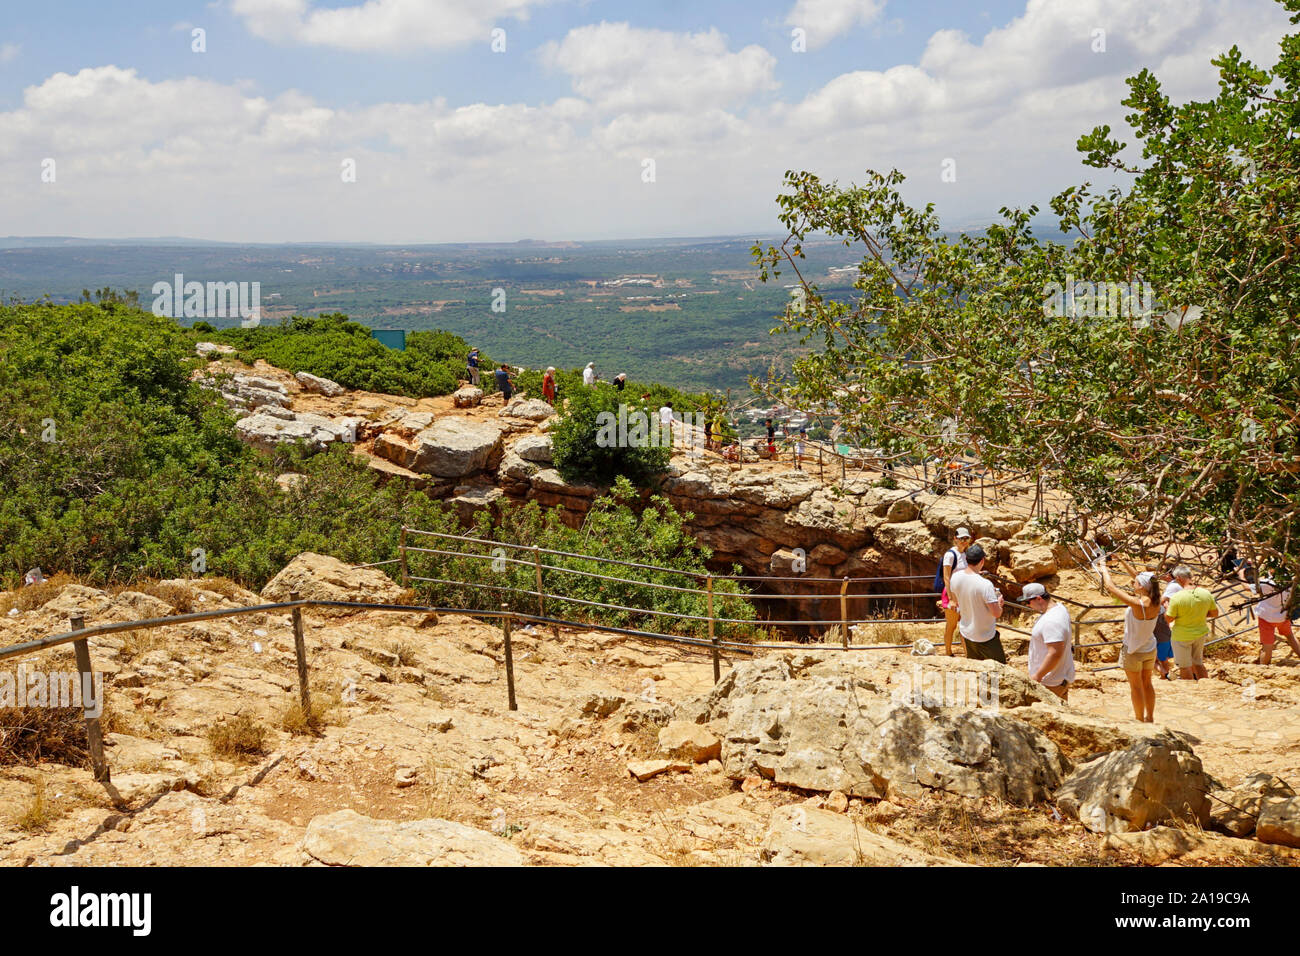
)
(1189, 613)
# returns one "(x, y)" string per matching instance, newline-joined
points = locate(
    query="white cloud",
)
(824, 20)
(197, 157)
(619, 68)
(9, 51)
(380, 25)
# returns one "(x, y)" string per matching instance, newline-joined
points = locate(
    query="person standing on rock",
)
(954, 560)
(1137, 655)
(1189, 614)
(471, 363)
(503, 382)
(1051, 656)
(548, 386)
(979, 605)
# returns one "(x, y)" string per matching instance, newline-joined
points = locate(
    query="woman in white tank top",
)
(1138, 655)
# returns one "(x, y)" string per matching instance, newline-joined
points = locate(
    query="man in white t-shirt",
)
(979, 605)
(1271, 615)
(589, 375)
(954, 560)
(1051, 654)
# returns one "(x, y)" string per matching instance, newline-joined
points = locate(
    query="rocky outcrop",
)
(1236, 811)
(825, 721)
(531, 409)
(321, 386)
(798, 835)
(1279, 821)
(270, 427)
(346, 838)
(455, 448)
(469, 396)
(1128, 790)
(323, 578)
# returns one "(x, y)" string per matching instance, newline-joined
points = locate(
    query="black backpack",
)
(938, 574)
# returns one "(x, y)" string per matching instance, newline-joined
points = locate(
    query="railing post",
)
(541, 594)
(300, 651)
(510, 657)
(94, 733)
(713, 637)
(401, 550)
(844, 611)
(821, 468)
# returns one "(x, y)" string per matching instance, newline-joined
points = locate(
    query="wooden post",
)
(541, 594)
(981, 489)
(821, 468)
(510, 658)
(401, 550)
(300, 651)
(94, 733)
(713, 637)
(844, 610)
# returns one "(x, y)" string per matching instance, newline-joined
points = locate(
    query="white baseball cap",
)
(1144, 579)
(963, 532)
(1031, 591)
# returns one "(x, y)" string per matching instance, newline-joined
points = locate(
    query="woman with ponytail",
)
(1138, 655)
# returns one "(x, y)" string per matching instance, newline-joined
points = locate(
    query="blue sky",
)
(452, 141)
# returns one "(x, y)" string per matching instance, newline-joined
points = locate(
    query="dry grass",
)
(297, 721)
(644, 741)
(30, 735)
(450, 794)
(227, 588)
(404, 653)
(181, 597)
(32, 597)
(240, 738)
(38, 814)
(136, 644)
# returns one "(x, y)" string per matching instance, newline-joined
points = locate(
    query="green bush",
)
(584, 450)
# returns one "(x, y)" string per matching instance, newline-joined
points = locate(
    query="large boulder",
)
(267, 428)
(534, 448)
(321, 386)
(1279, 821)
(1146, 783)
(346, 838)
(456, 447)
(825, 721)
(469, 396)
(1236, 811)
(532, 409)
(1082, 737)
(320, 577)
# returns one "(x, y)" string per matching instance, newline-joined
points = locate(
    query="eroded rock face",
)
(826, 721)
(347, 838)
(1236, 811)
(268, 427)
(1128, 790)
(455, 447)
(1279, 821)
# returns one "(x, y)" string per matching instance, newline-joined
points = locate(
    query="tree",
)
(1148, 368)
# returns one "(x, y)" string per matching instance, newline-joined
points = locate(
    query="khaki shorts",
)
(1144, 661)
(1189, 653)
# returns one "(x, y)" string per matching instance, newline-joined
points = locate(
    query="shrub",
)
(583, 450)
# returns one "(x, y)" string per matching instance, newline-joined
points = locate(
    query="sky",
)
(408, 121)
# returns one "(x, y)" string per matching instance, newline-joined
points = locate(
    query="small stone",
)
(837, 801)
(405, 776)
(645, 770)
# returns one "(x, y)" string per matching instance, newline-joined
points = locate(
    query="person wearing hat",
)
(471, 364)
(1189, 613)
(1137, 655)
(1051, 657)
(954, 560)
(548, 385)
(620, 381)
(589, 375)
(979, 605)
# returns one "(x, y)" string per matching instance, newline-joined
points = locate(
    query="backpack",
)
(938, 574)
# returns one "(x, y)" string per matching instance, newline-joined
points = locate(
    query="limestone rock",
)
(454, 448)
(207, 348)
(682, 738)
(533, 448)
(821, 721)
(1235, 811)
(645, 770)
(346, 838)
(1082, 737)
(1029, 562)
(321, 386)
(1130, 789)
(467, 397)
(321, 577)
(1279, 821)
(533, 409)
(798, 835)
